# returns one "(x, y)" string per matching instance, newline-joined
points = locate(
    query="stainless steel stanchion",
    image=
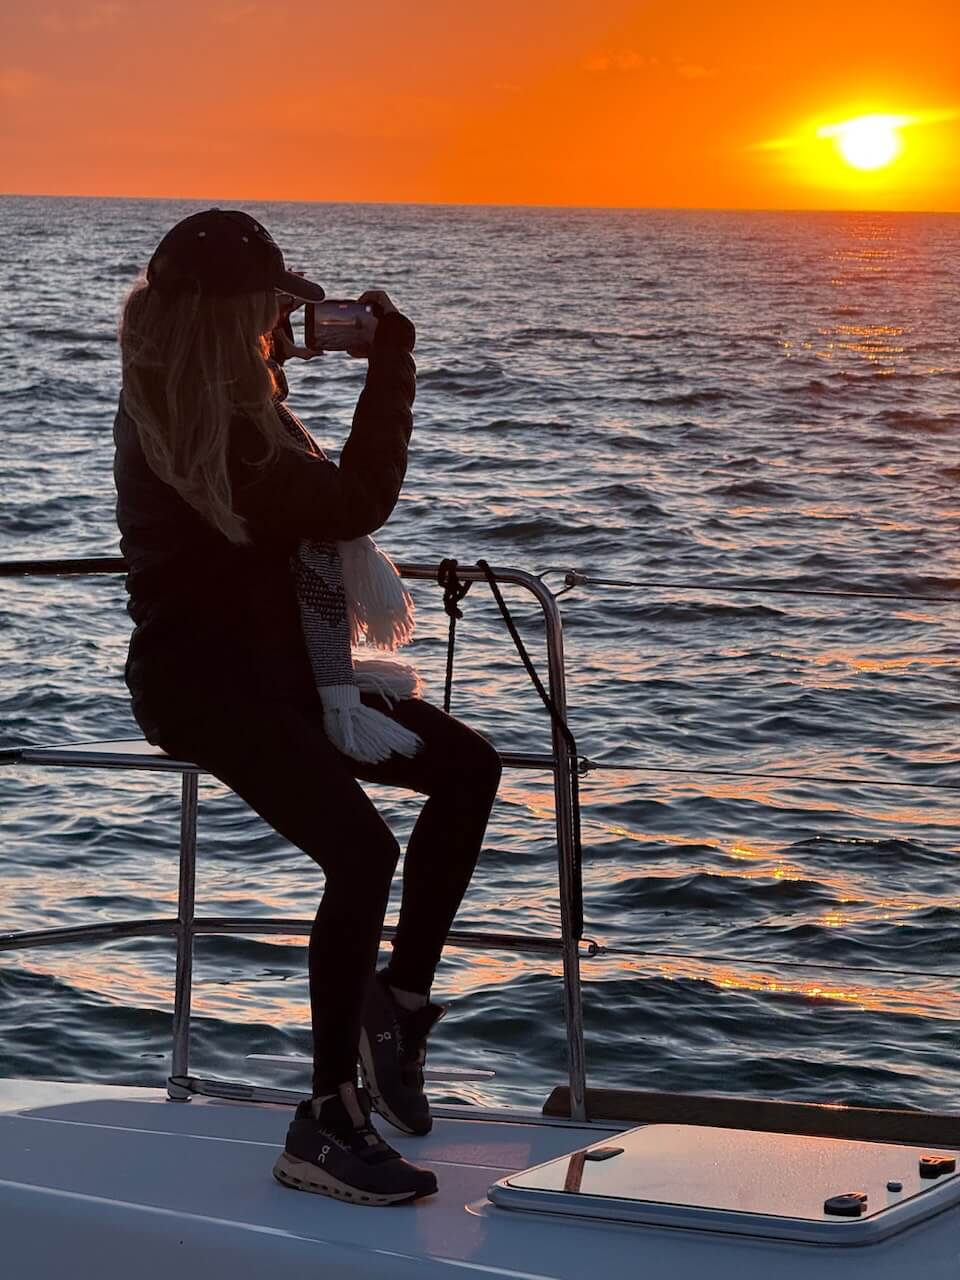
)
(180, 1063)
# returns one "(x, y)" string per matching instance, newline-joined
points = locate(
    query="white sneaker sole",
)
(373, 1088)
(303, 1176)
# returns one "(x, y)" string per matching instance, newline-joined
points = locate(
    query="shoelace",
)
(412, 1030)
(375, 1151)
(364, 1142)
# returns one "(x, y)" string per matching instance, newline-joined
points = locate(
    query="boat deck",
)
(99, 1181)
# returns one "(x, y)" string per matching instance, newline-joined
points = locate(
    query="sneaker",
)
(328, 1155)
(393, 1047)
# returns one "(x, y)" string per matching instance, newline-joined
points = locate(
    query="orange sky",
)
(505, 101)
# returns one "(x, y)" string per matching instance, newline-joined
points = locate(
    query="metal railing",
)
(187, 926)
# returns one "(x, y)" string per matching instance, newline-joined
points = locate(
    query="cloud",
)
(91, 17)
(693, 71)
(813, 130)
(625, 61)
(618, 60)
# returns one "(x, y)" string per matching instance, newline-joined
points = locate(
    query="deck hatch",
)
(763, 1184)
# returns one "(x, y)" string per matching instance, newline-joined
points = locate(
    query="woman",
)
(243, 544)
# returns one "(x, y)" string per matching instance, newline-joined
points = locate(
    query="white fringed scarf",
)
(350, 595)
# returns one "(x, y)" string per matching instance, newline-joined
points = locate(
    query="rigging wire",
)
(453, 592)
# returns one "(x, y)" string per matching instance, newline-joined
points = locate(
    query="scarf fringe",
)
(362, 732)
(389, 677)
(379, 609)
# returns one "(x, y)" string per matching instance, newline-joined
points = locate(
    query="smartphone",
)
(332, 325)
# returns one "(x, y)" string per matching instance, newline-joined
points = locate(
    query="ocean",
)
(675, 401)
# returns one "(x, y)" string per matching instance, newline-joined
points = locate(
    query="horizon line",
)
(483, 204)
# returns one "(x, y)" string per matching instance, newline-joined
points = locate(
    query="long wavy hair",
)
(191, 363)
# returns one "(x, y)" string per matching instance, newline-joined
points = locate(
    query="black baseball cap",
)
(224, 252)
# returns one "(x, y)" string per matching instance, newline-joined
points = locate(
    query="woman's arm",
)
(302, 495)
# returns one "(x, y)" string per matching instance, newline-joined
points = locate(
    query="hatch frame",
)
(888, 1220)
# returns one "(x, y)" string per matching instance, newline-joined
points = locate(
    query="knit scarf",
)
(349, 593)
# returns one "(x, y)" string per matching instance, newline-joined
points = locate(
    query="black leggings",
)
(276, 756)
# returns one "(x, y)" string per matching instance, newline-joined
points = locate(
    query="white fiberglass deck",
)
(120, 1182)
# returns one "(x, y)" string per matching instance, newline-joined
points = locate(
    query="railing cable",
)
(590, 766)
(575, 578)
(603, 949)
(572, 578)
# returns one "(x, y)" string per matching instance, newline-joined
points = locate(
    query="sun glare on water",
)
(867, 142)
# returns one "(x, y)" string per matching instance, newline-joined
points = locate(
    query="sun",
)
(867, 142)
(867, 151)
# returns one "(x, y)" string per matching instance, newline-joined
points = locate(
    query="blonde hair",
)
(191, 363)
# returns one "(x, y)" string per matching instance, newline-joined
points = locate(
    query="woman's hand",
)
(382, 305)
(282, 341)
(379, 300)
(286, 305)
(284, 348)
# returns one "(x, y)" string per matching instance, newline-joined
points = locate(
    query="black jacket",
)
(211, 616)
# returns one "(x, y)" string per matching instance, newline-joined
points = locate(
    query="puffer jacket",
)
(217, 619)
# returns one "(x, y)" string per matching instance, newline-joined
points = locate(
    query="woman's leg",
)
(459, 771)
(275, 756)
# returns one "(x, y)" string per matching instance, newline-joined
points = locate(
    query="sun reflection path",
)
(934, 998)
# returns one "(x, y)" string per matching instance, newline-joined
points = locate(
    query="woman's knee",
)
(372, 856)
(476, 766)
(364, 868)
(487, 765)
(454, 754)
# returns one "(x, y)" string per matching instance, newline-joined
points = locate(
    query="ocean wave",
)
(557, 331)
(706, 891)
(65, 334)
(869, 940)
(918, 420)
(840, 851)
(535, 530)
(706, 398)
(73, 355)
(629, 499)
(49, 392)
(130, 271)
(683, 612)
(507, 426)
(464, 381)
(756, 489)
(39, 517)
